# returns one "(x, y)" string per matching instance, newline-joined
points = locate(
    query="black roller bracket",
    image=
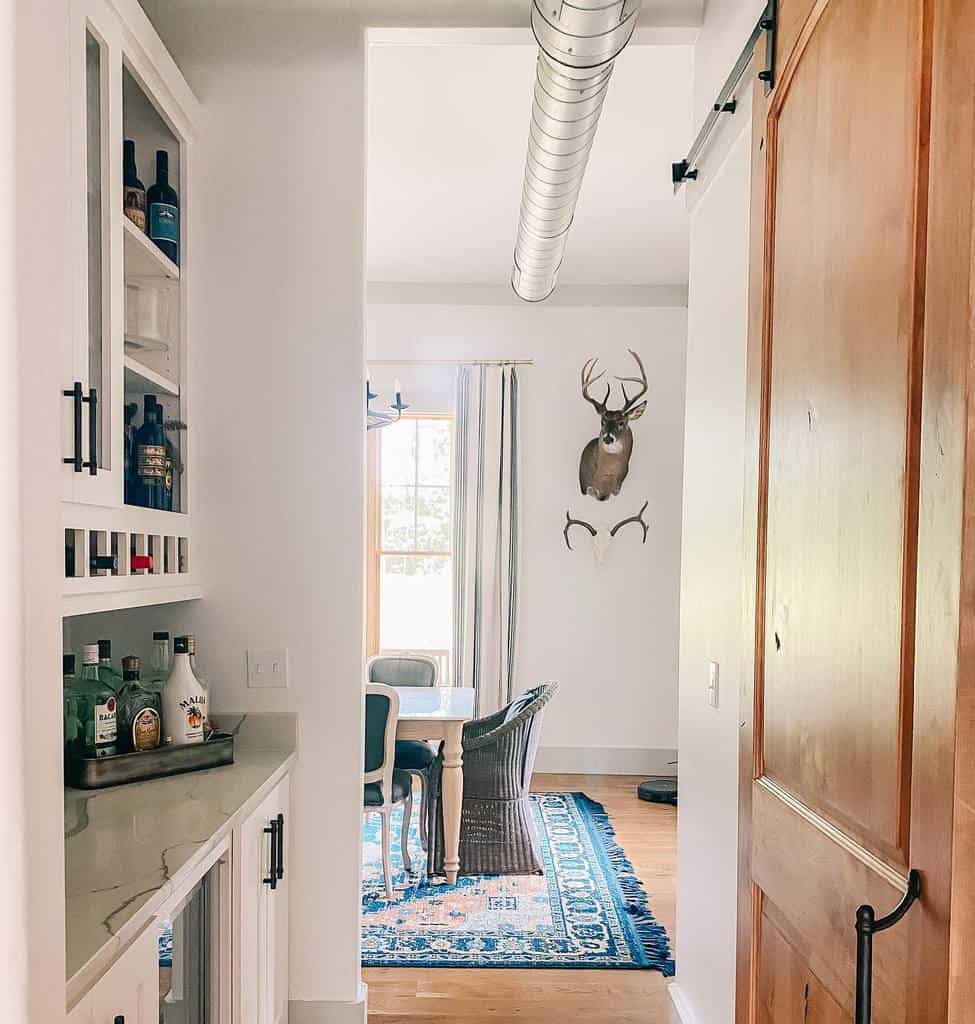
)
(867, 925)
(726, 103)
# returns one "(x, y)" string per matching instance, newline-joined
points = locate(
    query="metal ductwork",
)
(577, 45)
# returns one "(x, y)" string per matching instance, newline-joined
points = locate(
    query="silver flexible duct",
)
(577, 45)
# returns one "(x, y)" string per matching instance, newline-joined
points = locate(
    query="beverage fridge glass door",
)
(190, 954)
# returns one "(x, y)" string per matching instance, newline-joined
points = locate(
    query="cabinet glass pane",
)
(98, 361)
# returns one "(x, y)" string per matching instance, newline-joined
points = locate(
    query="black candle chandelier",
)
(375, 419)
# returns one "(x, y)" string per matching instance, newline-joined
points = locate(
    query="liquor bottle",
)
(108, 674)
(150, 456)
(191, 643)
(131, 481)
(133, 191)
(164, 210)
(96, 705)
(166, 491)
(139, 710)
(184, 699)
(159, 668)
(73, 733)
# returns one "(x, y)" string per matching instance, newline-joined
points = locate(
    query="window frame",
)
(375, 552)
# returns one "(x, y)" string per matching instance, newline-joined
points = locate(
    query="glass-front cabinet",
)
(127, 428)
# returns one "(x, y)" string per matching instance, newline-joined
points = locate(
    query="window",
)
(410, 581)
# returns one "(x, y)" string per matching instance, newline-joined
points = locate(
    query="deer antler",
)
(569, 521)
(628, 402)
(588, 380)
(638, 518)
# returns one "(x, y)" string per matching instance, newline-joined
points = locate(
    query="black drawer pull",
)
(272, 875)
(867, 926)
(75, 393)
(280, 839)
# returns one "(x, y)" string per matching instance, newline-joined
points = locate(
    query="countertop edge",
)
(87, 976)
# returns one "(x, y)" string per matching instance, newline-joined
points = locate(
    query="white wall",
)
(607, 633)
(13, 733)
(711, 586)
(281, 205)
(726, 28)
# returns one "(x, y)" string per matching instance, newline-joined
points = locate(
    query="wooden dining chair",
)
(383, 786)
(413, 756)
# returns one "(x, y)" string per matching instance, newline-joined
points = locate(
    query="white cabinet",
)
(261, 881)
(131, 329)
(129, 990)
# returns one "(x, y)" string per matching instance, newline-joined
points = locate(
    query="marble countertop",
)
(130, 848)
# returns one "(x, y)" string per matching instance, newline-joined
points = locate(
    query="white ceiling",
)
(448, 127)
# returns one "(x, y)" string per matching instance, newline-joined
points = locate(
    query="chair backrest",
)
(533, 702)
(382, 711)
(402, 670)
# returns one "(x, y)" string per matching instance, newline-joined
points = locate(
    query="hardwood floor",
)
(648, 833)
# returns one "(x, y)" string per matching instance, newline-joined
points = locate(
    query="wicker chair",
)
(497, 829)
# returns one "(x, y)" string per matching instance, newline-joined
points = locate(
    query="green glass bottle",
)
(105, 669)
(96, 704)
(139, 711)
(73, 733)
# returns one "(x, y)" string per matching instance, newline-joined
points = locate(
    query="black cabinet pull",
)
(77, 395)
(272, 875)
(867, 925)
(280, 839)
(92, 400)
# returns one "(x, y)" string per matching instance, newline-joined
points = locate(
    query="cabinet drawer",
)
(130, 988)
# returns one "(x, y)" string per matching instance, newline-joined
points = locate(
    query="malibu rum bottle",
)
(184, 700)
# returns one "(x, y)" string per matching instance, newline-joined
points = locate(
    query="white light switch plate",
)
(713, 683)
(268, 668)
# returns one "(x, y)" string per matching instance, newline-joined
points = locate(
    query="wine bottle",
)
(150, 456)
(133, 191)
(164, 210)
(184, 699)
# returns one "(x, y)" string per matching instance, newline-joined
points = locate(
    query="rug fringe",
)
(653, 936)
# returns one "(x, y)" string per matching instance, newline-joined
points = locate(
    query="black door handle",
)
(92, 400)
(867, 925)
(75, 393)
(272, 875)
(280, 841)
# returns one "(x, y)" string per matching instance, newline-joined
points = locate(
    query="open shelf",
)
(141, 379)
(143, 258)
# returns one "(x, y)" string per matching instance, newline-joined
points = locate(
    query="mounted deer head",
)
(601, 536)
(606, 459)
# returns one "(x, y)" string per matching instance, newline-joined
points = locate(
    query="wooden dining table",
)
(439, 713)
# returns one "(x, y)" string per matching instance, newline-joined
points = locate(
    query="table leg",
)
(452, 796)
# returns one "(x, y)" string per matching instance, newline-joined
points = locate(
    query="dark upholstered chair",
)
(412, 756)
(382, 786)
(497, 828)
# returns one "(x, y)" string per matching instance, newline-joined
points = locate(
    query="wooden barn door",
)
(848, 743)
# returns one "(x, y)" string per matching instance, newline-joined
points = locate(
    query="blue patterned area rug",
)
(588, 910)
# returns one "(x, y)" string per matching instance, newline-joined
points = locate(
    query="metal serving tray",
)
(97, 772)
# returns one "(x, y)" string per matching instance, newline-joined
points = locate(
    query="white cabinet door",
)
(130, 989)
(92, 418)
(262, 920)
(278, 914)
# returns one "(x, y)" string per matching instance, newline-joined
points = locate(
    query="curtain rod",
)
(450, 362)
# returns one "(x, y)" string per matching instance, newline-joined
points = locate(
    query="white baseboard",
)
(326, 1012)
(605, 761)
(680, 1003)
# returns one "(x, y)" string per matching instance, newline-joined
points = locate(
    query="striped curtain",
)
(485, 533)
